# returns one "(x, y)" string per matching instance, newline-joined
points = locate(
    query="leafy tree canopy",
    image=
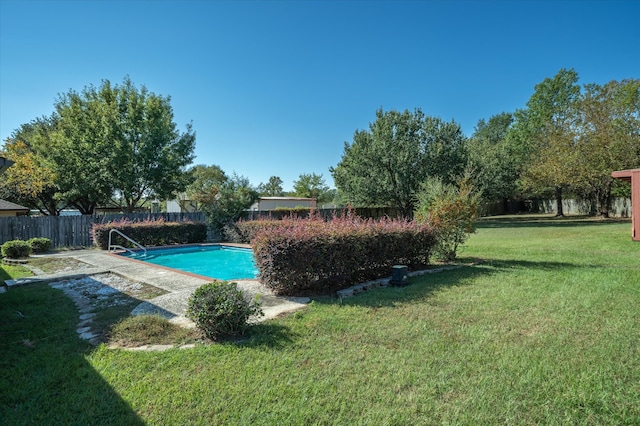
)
(233, 197)
(206, 183)
(385, 165)
(273, 188)
(122, 140)
(576, 136)
(31, 181)
(312, 186)
(490, 158)
(608, 139)
(547, 127)
(101, 143)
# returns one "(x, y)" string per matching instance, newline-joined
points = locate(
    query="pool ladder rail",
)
(131, 240)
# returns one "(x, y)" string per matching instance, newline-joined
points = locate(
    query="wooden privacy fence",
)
(364, 212)
(74, 231)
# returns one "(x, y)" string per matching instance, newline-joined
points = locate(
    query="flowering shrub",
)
(149, 233)
(312, 256)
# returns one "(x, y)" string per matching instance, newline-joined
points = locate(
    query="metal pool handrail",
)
(132, 241)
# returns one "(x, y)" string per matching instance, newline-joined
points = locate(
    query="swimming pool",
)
(221, 262)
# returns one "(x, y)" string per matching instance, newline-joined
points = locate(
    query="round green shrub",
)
(16, 249)
(40, 245)
(219, 309)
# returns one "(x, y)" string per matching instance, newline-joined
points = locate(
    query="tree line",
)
(113, 144)
(117, 145)
(566, 140)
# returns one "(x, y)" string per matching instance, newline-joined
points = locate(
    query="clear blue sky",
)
(277, 87)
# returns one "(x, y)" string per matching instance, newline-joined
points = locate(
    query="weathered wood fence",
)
(74, 231)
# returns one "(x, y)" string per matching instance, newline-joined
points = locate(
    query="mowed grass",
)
(545, 331)
(11, 272)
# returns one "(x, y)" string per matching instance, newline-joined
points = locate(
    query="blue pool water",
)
(221, 262)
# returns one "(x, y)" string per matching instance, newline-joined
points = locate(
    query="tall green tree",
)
(311, 185)
(119, 140)
(385, 165)
(608, 138)
(273, 188)
(445, 147)
(82, 150)
(490, 158)
(549, 127)
(233, 197)
(31, 181)
(205, 185)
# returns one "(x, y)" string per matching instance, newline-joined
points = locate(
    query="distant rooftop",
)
(287, 198)
(8, 205)
(4, 164)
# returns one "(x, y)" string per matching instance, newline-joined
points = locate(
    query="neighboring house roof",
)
(4, 164)
(288, 198)
(8, 205)
(272, 203)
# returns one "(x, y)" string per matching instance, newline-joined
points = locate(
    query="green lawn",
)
(10, 272)
(545, 331)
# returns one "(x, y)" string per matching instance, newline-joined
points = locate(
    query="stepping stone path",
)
(85, 309)
(89, 293)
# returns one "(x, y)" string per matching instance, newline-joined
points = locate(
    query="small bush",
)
(40, 245)
(16, 249)
(452, 210)
(219, 309)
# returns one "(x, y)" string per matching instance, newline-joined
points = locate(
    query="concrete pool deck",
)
(178, 285)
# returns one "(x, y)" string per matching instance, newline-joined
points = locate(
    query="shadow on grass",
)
(4, 276)
(264, 335)
(418, 288)
(504, 265)
(422, 287)
(543, 221)
(45, 377)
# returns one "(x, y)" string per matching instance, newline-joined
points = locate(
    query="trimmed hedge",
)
(150, 233)
(245, 231)
(316, 257)
(16, 249)
(40, 245)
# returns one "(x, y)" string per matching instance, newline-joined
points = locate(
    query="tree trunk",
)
(85, 207)
(560, 211)
(51, 208)
(604, 201)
